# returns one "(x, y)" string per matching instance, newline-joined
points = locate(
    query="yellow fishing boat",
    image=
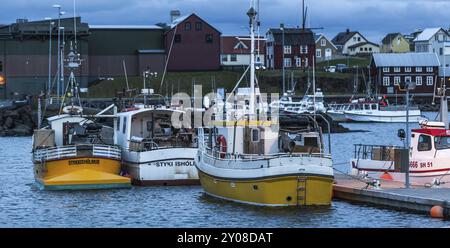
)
(68, 156)
(74, 152)
(244, 155)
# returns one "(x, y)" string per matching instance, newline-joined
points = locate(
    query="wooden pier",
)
(393, 194)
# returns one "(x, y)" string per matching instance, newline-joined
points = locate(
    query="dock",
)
(392, 194)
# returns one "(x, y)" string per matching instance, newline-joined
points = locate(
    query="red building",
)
(192, 44)
(299, 48)
(389, 71)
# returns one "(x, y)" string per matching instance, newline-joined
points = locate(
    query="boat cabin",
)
(150, 129)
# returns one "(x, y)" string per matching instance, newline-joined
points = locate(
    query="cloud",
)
(373, 18)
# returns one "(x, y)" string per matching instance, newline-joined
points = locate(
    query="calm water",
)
(23, 205)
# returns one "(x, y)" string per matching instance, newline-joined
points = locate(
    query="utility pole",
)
(407, 183)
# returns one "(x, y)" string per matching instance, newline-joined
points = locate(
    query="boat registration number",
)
(416, 164)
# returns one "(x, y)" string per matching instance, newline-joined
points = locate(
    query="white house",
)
(235, 51)
(363, 48)
(344, 40)
(434, 40)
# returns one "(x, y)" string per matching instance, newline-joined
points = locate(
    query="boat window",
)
(374, 107)
(118, 124)
(255, 135)
(442, 143)
(424, 143)
(124, 124)
(366, 107)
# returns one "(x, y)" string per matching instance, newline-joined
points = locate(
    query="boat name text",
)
(84, 161)
(173, 163)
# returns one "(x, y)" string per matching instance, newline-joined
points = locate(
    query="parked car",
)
(331, 69)
(341, 68)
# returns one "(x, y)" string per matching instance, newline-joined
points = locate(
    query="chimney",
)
(348, 31)
(174, 14)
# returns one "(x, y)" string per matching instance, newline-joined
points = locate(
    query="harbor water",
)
(22, 204)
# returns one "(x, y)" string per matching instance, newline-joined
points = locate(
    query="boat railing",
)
(376, 152)
(224, 156)
(73, 151)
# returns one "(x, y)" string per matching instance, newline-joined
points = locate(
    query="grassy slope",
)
(269, 81)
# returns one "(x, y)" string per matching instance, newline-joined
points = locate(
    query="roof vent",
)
(174, 14)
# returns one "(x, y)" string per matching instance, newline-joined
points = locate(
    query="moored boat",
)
(246, 158)
(154, 151)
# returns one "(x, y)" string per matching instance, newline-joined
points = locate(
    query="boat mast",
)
(444, 102)
(252, 14)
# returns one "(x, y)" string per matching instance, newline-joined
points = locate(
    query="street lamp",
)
(282, 34)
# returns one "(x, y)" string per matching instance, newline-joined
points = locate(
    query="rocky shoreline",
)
(17, 119)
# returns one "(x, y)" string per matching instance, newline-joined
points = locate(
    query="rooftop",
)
(405, 59)
(124, 27)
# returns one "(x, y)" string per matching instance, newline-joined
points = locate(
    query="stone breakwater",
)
(17, 120)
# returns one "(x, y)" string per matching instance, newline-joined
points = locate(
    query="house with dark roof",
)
(235, 51)
(395, 43)
(296, 45)
(325, 49)
(346, 39)
(192, 44)
(390, 70)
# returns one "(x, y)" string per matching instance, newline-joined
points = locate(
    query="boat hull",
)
(337, 116)
(420, 171)
(291, 184)
(384, 116)
(80, 173)
(163, 167)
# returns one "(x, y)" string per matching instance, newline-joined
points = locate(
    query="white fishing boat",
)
(245, 157)
(377, 111)
(428, 155)
(154, 151)
(337, 112)
(289, 103)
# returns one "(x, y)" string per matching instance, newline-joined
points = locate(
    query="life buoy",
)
(222, 142)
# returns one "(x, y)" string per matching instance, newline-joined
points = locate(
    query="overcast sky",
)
(373, 18)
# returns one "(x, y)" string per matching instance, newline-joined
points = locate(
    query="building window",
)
(386, 81)
(178, 38)
(361, 49)
(396, 81)
(365, 49)
(298, 61)
(318, 53)
(233, 58)
(209, 38)
(187, 26)
(323, 42)
(306, 62)
(304, 49)
(418, 69)
(287, 62)
(198, 26)
(370, 49)
(407, 69)
(354, 39)
(407, 79)
(430, 81)
(396, 69)
(418, 80)
(386, 69)
(359, 39)
(118, 124)
(255, 135)
(287, 49)
(441, 51)
(224, 58)
(429, 69)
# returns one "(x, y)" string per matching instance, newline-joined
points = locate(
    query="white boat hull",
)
(172, 166)
(422, 171)
(337, 116)
(383, 116)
